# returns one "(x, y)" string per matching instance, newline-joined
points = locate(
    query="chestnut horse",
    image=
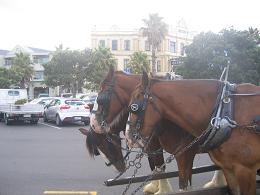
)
(113, 100)
(189, 104)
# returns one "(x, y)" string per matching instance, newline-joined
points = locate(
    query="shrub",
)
(21, 101)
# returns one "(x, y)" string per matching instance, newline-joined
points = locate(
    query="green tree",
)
(155, 30)
(66, 69)
(22, 69)
(101, 60)
(5, 81)
(139, 62)
(205, 57)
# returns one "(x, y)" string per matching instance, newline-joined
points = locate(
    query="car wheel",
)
(58, 121)
(86, 123)
(7, 122)
(34, 121)
(45, 118)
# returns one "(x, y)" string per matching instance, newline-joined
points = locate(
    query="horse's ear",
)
(83, 131)
(145, 79)
(111, 72)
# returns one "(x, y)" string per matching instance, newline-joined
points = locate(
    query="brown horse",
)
(113, 100)
(189, 104)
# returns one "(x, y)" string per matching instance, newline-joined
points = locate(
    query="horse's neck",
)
(128, 83)
(189, 104)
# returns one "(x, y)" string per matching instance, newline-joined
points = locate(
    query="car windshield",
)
(91, 98)
(74, 102)
(34, 101)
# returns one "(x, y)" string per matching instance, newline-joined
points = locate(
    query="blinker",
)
(103, 99)
(136, 107)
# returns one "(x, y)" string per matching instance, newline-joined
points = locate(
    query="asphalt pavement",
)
(46, 159)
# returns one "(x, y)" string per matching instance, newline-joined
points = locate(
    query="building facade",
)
(123, 43)
(38, 57)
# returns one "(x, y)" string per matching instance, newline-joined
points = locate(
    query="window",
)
(127, 45)
(147, 46)
(40, 59)
(172, 47)
(38, 75)
(126, 68)
(8, 61)
(102, 43)
(13, 93)
(159, 48)
(57, 103)
(114, 45)
(158, 66)
(182, 49)
(74, 102)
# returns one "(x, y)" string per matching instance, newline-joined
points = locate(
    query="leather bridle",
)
(138, 108)
(104, 99)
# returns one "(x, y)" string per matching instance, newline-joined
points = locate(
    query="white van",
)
(10, 96)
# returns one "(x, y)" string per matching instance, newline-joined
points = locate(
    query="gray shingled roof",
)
(3, 52)
(37, 50)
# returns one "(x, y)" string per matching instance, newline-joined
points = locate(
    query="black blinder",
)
(103, 99)
(136, 107)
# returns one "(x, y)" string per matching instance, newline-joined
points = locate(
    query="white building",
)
(38, 58)
(124, 43)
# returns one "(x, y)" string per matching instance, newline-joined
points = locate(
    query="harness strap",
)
(244, 94)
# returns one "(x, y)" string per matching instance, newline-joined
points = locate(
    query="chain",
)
(134, 163)
(169, 160)
(119, 175)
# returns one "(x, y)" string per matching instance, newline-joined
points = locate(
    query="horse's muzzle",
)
(132, 141)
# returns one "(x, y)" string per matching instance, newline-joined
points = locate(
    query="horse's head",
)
(109, 147)
(145, 113)
(111, 111)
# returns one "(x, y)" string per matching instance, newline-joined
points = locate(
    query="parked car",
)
(66, 95)
(43, 95)
(61, 110)
(90, 100)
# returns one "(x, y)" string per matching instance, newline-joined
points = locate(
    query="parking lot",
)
(45, 159)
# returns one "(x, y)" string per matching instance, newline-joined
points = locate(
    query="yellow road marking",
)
(71, 192)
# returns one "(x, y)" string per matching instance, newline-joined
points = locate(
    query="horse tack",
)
(108, 86)
(221, 126)
(104, 99)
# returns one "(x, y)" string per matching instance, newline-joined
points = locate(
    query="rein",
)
(244, 94)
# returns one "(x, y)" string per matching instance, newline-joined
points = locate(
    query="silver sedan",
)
(61, 110)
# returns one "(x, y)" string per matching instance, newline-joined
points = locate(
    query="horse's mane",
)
(91, 144)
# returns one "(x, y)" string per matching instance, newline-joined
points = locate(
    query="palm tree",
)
(139, 62)
(22, 68)
(155, 32)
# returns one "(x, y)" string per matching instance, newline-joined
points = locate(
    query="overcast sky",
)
(48, 23)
